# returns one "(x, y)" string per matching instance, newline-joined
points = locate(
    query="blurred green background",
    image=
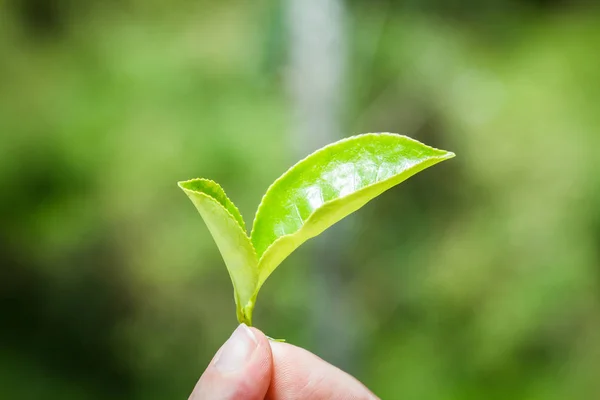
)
(479, 278)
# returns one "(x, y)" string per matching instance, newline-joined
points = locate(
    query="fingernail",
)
(237, 350)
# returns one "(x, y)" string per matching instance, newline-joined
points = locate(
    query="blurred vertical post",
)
(315, 76)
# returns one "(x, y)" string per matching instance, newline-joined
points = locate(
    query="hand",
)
(251, 367)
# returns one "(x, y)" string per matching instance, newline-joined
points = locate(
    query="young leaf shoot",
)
(314, 194)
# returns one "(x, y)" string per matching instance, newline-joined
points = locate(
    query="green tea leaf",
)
(330, 184)
(311, 196)
(227, 227)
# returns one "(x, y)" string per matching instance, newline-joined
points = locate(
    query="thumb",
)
(240, 370)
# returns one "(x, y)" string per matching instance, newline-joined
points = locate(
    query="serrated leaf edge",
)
(224, 208)
(243, 311)
(262, 278)
(449, 155)
(243, 225)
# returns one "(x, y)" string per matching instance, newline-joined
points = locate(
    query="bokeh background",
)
(478, 278)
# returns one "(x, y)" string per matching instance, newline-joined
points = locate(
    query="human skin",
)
(251, 367)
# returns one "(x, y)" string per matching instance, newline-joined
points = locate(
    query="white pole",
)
(315, 76)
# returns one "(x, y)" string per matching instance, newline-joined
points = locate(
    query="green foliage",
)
(485, 275)
(311, 196)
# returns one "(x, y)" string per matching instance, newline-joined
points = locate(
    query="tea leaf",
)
(311, 196)
(330, 184)
(227, 227)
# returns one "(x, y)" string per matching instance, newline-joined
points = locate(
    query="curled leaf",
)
(226, 225)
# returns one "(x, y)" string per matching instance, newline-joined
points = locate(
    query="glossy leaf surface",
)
(330, 184)
(311, 196)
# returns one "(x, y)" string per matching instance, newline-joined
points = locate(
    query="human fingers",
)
(299, 374)
(240, 370)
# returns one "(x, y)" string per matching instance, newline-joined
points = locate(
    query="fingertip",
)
(263, 358)
(261, 337)
(241, 368)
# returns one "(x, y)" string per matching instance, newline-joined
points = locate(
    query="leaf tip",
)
(195, 185)
(183, 185)
(448, 155)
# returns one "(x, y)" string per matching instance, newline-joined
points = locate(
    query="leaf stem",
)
(244, 314)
